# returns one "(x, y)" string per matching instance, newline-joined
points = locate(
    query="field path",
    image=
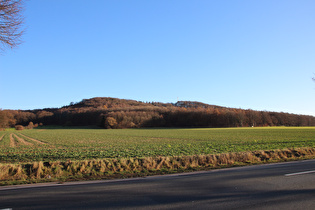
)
(21, 140)
(2, 137)
(35, 140)
(12, 141)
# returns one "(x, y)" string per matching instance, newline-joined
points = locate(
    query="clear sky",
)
(237, 53)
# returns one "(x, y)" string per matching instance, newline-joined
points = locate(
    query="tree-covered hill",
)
(121, 113)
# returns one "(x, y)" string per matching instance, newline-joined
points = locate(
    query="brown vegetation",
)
(19, 127)
(10, 23)
(120, 113)
(130, 167)
(110, 122)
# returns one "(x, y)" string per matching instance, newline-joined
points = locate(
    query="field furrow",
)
(32, 139)
(12, 141)
(2, 137)
(22, 141)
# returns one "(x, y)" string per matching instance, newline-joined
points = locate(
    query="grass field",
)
(53, 144)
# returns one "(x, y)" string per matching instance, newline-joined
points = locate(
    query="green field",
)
(83, 143)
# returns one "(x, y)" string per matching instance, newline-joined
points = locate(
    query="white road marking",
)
(300, 173)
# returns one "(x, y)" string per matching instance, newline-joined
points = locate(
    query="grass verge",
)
(111, 168)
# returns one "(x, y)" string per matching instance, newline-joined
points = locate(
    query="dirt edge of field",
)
(136, 167)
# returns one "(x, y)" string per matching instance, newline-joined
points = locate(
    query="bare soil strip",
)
(2, 137)
(22, 141)
(35, 140)
(12, 141)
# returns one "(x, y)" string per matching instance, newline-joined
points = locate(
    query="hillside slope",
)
(122, 113)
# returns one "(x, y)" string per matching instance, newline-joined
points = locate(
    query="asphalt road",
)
(274, 186)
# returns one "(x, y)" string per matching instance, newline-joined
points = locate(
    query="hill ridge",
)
(108, 112)
(109, 101)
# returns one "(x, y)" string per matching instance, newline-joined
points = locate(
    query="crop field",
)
(60, 144)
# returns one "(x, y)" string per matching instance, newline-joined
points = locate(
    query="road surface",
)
(274, 186)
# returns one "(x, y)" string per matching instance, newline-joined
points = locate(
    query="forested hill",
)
(121, 113)
(101, 102)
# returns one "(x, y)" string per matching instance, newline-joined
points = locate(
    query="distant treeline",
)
(120, 113)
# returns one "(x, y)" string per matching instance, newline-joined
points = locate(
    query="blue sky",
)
(235, 53)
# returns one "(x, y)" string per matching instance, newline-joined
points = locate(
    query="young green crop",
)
(79, 144)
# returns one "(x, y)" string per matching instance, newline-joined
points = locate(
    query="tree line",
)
(112, 113)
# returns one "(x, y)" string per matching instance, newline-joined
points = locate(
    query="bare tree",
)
(11, 21)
